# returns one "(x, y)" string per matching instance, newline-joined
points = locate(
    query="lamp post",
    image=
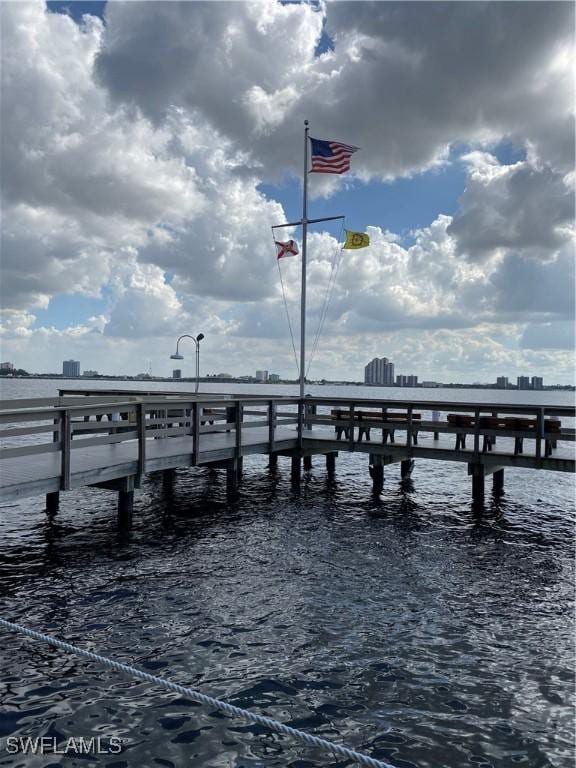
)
(178, 356)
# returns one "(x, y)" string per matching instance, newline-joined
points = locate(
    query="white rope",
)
(288, 317)
(336, 261)
(201, 698)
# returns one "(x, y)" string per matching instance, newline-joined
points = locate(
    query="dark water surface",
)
(409, 625)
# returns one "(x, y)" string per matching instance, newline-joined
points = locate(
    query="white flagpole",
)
(303, 294)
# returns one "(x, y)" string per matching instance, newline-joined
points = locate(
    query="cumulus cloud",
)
(402, 82)
(513, 206)
(133, 152)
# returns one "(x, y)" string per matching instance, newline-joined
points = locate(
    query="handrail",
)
(443, 405)
(117, 405)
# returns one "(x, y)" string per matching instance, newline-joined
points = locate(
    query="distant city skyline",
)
(139, 208)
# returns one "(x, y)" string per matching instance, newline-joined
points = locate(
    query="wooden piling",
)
(406, 467)
(307, 463)
(125, 505)
(295, 468)
(477, 472)
(232, 477)
(273, 461)
(498, 481)
(331, 463)
(52, 502)
(376, 470)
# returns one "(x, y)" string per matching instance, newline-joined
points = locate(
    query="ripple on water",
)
(405, 625)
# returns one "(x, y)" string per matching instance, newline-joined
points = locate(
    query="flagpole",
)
(303, 290)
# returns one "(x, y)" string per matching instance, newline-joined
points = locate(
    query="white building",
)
(379, 371)
(71, 368)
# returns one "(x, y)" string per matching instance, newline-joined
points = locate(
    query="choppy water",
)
(407, 625)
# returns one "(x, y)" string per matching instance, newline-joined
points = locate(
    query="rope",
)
(288, 317)
(328, 296)
(201, 698)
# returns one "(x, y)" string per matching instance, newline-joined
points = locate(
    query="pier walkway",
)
(111, 439)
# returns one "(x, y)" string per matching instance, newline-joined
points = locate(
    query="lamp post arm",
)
(185, 336)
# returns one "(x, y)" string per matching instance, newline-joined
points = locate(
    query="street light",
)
(178, 356)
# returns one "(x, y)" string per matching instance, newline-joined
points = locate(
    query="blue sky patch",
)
(70, 309)
(77, 8)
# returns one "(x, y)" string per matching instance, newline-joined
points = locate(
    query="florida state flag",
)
(289, 248)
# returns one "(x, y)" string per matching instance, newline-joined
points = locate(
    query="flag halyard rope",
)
(336, 260)
(201, 698)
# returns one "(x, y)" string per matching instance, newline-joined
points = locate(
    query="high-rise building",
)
(261, 375)
(6, 366)
(412, 381)
(379, 371)
(177, 373)
(537, 382)
(502, 382)
(274, 378)
(523, 382)
(71, 368)
(400, 380)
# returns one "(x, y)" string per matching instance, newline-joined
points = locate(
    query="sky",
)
(149, 147)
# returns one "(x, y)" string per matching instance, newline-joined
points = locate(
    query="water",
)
(407, 626)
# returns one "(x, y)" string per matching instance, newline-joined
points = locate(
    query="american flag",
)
(330, 156)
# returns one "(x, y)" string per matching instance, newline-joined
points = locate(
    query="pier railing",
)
(545, 425)
(73, 434)
(66, 429)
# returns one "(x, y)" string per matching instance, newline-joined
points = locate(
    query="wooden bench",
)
(364, 418)
(508, 423)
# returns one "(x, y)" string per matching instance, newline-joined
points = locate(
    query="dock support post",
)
(376, 470)
(52, 502)
(406, 467)
(273, 461)
(331, 463)
(307, 463)
(295, 468)
(232, 477)
(477, 472)
(498, 482)
(125, 506)
(240, 467)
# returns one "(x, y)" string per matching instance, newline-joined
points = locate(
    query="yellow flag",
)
(356, 240)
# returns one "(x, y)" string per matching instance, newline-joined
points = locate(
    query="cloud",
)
(512, 207)
(133, 152)
(402, 82)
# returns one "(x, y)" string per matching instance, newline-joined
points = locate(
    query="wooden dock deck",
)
(111, 439)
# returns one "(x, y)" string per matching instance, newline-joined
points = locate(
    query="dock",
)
(111, 439)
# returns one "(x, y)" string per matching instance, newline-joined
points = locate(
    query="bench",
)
(508, 423)
(364, 421)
